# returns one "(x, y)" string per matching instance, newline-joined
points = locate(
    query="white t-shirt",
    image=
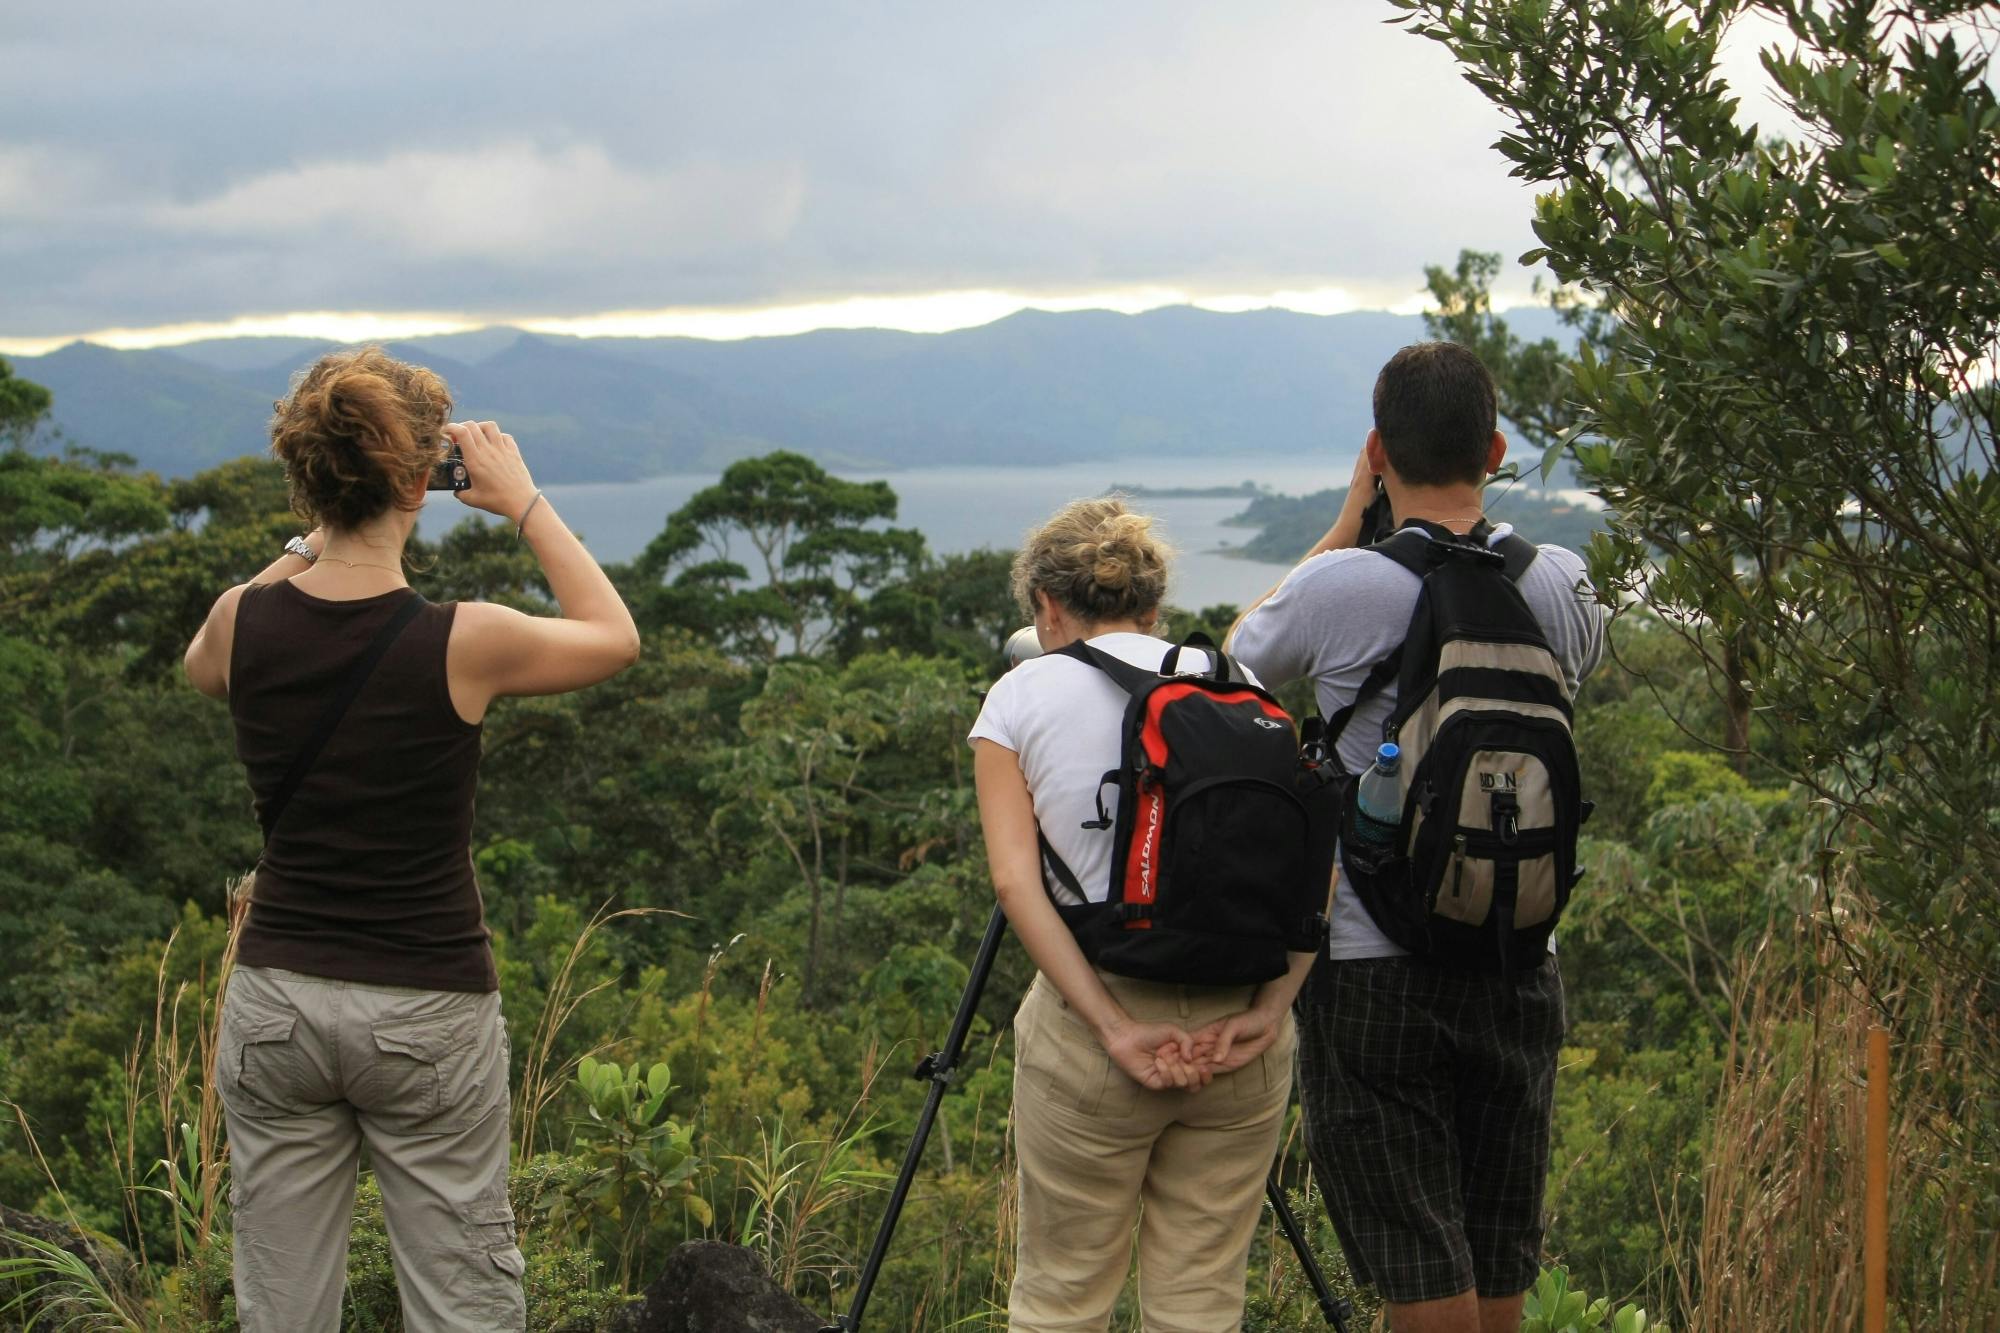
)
(1062, 717)
(1338, 614)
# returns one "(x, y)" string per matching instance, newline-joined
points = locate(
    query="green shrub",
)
(1553, 1307)
(563, 1283)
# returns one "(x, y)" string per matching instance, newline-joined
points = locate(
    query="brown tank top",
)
(368, 876)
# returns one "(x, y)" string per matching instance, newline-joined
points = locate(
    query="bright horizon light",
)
(929, 312)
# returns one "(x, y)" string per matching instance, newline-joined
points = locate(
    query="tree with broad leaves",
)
(1537, 399)
(1794, 418)
(839, 768)
(818, 556)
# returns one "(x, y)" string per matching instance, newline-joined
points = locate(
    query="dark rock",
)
(709, 1287)
(56, 1303)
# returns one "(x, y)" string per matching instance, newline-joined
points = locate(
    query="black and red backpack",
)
(1223, 837)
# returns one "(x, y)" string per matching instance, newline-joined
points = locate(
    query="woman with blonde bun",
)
(1135, 1103)
(364, 1007)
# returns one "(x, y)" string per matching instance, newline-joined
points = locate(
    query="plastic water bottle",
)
(1378, 801)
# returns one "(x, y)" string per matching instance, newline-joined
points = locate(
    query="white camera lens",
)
(1023, 645)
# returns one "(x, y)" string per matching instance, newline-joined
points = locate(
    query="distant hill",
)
(1288, 525)
(1033, 388)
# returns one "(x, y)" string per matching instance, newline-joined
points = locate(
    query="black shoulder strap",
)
(336, 708)
(1129, 678)
(1133, 679)
(1518, 552)
(1408, 547)
(1381, 674)
(1059, 868)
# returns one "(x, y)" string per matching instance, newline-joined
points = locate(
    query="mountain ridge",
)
(1034, 387)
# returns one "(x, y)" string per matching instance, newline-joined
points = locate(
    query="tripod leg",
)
(938, 1067)
(1333, 1307)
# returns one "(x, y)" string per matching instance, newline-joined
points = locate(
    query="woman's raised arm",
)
(498, 651)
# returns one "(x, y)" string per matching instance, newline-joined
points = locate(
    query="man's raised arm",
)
(1345, 532)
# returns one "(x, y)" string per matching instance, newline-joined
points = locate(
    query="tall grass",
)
(169, 1070)
(44, 1285)
(543, 1075)
(797, 1188)
(1780, 1245)
(53, 1288)
(193, 1163)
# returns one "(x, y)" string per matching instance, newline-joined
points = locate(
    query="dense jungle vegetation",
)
(734, 890)
(752, 861)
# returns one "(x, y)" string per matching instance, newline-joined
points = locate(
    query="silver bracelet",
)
(297, 546)
(522, 526)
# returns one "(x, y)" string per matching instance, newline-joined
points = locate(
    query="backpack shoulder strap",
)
(343, 697)
(1379, 675)
(1408, 547)
(1059, 869)
(1518, 552)
(1129, 678)
(1515, 551)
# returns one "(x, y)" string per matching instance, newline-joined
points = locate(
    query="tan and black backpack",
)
(1483, 861)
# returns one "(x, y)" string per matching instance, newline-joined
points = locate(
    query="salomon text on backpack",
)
(1482, 863)
(1223, 837)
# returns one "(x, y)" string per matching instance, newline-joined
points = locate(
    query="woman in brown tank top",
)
(364, 1007)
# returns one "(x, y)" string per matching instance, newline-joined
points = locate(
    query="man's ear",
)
(1496, 453)
(1378, 456)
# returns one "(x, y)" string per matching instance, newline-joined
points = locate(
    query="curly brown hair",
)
(356, 432)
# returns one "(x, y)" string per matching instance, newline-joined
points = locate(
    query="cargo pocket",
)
(429, 1074)
(510, 1261)
(257, 1066)
(499, 1301)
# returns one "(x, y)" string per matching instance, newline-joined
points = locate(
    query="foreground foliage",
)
(732, 904)
(733, 890)
(1786, 392)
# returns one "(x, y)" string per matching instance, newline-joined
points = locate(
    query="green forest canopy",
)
(1784, 394)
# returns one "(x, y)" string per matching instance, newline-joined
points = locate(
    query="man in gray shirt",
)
(1428, 1093)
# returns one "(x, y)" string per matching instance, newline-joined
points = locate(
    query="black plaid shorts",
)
(1428, 1095)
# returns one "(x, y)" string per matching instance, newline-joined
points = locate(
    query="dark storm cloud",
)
(173, 162)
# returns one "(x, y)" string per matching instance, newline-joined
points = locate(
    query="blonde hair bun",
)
(1097, 559)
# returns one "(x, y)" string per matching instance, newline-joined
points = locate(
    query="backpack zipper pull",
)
(1457, 864)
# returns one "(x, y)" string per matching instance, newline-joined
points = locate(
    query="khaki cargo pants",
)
(1098, 1154)
(310, 1069)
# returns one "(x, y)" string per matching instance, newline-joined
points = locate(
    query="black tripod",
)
(939, 1067)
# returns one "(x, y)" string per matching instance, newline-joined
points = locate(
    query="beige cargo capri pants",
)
(1098, 1154)
(308, 1070)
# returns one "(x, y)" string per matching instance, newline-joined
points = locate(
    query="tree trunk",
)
(1736, 705)
(839, 889)
(812, 946)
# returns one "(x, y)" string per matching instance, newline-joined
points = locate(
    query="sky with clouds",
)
(207, 161)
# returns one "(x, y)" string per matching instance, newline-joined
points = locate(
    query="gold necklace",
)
(359, 564)
(1472, 518)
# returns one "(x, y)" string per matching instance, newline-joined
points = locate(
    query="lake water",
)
(964, 508)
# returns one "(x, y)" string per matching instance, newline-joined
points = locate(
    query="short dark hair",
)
(1435, 411)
